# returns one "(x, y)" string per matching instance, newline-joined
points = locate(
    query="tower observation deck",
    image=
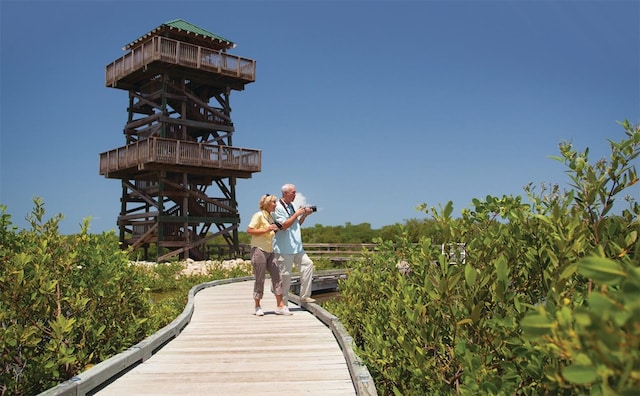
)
(178, 141)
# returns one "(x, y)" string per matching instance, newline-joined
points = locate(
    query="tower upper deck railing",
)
(179, 153)
(170, 51)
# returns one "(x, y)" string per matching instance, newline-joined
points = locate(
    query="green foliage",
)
(357, 233)
(67, 302)
(547, 301)
(325, 263)
(414, 229)
(70, 302)
(349, 233)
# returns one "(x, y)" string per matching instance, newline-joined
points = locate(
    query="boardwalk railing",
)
(360, 376)
(340, 253)
(314, 250)
(338, 249)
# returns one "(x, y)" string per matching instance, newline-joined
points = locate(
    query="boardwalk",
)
(226, 350)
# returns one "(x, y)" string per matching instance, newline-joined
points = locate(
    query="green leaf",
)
(631, 238)
(583, 319)
(564, 316)
(579, 374)
(600, 303)
(516, 304)
(448, 209)
(568, 271)
(555, 157)
(475, 312)
(489, 388)
(601, 270)
(543, 218)
(470, 275)
(582, 359)
(536, 325)
(620, 318)
(501, 270)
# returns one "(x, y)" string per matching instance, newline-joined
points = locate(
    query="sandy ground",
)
(192, 267)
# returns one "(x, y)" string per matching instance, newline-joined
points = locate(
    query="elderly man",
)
(287, 244)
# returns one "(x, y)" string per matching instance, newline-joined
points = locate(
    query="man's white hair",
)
(288, 187)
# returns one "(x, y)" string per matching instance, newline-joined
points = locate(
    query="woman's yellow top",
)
(261, 220)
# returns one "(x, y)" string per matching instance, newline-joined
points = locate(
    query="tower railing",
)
(180, 53)
(179, 152)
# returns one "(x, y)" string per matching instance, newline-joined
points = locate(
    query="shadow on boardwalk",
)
(218, 346)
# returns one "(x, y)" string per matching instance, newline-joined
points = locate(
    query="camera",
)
(313, 208)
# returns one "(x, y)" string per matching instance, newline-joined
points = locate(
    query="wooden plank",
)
(227, 350)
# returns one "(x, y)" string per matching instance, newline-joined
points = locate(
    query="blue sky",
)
(370, 107)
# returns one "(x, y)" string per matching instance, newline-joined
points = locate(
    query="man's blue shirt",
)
(288, 241)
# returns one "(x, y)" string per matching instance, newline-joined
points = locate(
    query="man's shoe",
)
(259, 311)
(308, 300)
(283, 311)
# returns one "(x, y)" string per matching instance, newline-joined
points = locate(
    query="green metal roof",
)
(182, 25)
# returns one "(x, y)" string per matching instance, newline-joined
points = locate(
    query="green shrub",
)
(546, 301)
(67, 302)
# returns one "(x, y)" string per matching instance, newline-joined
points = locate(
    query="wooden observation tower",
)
(179, 141)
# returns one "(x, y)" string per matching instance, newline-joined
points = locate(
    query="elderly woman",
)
(262, 229)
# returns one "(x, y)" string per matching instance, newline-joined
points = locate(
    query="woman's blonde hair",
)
(265, 199)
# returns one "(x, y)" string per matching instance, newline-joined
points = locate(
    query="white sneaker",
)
(283, 311)
(308, 300)
(259, 311)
